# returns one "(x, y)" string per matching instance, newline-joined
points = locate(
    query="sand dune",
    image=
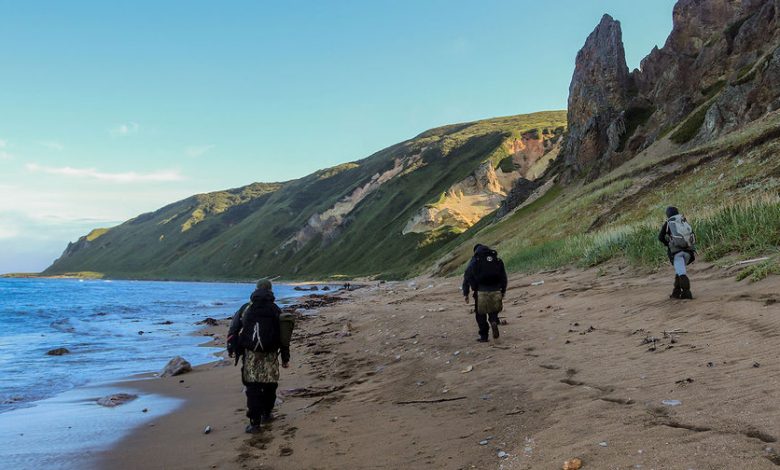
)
(575, 374)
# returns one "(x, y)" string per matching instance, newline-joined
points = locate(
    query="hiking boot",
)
(267, 418)
(677, 289)
(482, 340)
(494, 328)
(685, 285)
(252, 428)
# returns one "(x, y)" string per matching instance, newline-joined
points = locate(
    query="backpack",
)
(681, 236)
(259, 329)
(487, 269)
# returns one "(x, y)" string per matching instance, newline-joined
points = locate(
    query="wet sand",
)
(576, 373)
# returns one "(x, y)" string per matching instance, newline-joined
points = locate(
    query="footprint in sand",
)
(285, 452)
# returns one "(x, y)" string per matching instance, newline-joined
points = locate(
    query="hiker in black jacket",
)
(486, 276)
(679, 256)
(260, 367)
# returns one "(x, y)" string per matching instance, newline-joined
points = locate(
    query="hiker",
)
(680, 242)
(486, 277)
(256, 336)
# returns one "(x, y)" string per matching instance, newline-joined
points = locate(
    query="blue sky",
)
(111, 109)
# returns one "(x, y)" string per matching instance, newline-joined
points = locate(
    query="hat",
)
(264, 284)
(671, 211)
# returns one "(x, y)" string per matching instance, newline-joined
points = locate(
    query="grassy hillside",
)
(269, 229)
(728, 188)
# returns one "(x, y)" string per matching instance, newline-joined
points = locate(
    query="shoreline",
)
(103, 277)
(392, 377)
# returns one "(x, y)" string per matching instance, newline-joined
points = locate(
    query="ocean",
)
(113, 329)
(49, 417)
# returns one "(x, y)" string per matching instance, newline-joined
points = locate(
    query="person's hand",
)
(285, 364)
(467, 299)
(230, 354)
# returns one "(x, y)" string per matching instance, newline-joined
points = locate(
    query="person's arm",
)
(235, 327)
(467, 281)
(283, 348)
(662, 234)
(504, 280)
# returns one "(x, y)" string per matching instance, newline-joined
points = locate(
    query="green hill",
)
(347, 220)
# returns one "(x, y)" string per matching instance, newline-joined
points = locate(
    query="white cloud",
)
(4, 155)
(8, 231)
(53, 145)
(126, 177)
(124, 130)
(195, 151)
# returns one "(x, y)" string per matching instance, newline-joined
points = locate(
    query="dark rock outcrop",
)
(717, 71)
(58, 352)
(599, 91)
(522, 189)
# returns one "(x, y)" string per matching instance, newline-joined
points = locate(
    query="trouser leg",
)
(482, 323)
(269, 397)
(254, 402)
(680, 261)
(493, 319)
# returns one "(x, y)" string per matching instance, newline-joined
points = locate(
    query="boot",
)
(677, 289)
(685, 286)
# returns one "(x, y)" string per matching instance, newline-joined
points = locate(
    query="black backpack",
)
(487, 268)
(259, 328)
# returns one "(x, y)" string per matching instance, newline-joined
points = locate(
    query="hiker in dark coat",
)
(486, 276)
(260, 367)
(681, 250)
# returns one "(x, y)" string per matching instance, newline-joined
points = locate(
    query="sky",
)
(112, 109)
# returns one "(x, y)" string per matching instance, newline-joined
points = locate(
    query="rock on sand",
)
(116, 399)
(176, 366)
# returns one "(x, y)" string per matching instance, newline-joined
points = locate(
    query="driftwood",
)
(310, 392)
(748, 261)
(312, 403)
(436, 400)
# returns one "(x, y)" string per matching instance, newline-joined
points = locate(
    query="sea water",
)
(113, 330)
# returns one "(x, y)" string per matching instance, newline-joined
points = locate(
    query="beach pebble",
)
(572, 464)
(176, 366)
(116, 399)
(58, 352)
(603, 444)
(483, 442)
(671, 402)
(502, 454)
(207, 430)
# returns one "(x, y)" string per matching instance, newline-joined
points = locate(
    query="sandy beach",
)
(598, 365)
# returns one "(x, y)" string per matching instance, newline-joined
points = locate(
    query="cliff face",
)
(465, 203)
(716, 72)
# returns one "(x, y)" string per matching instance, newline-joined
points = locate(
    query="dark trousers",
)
(482, 322)
(260, 399)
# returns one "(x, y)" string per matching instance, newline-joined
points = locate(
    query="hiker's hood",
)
(481, 250)
(262, 296)
(477, 247)
(671, 211)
